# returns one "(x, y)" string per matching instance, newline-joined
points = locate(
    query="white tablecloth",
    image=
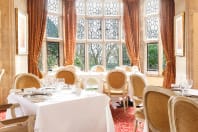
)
(67, 112)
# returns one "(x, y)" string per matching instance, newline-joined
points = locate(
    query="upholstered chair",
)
(26, 80)
(138, 85)
(116, 85)
(183, 114)
(69, 76)
(155, 103)
(16, 124)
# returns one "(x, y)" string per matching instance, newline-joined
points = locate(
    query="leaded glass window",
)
(99, 28)
(151, 7)
(112, 55)
(95, 54)
(112, 28)
(152, 27)
(53, 26)
(94, 29)
(80, 28)
(152, 39)
(51, 50)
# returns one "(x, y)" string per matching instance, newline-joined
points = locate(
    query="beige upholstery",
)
(183, 114)
(116, 84)
(156, 108)
(126, 68)
(91, 82)
(98, 68)
(138, 85)
(72, 67)
(69, 75)
(16, 124)
(26, 80)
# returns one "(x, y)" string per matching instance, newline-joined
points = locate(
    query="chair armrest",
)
(14, 120)
(137, 98)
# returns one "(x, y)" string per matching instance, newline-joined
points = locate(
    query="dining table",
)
(65, 110)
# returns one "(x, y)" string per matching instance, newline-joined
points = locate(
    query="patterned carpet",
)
(124, 120)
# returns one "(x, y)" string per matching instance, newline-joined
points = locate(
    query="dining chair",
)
(98, 68)
(116, 85)
(16, 124)
(138, 85)
(183, 114)
(26, 80)
(92, 82)
(69, 76)
(155, 103)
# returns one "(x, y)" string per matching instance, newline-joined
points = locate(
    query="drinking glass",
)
(60, 82)
(182, 86)
(189, 83)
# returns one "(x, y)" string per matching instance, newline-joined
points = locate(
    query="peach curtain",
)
(37, 13)
(167, 12)
(131, 26)
(69, 27)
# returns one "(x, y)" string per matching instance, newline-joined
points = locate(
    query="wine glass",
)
(60, 82)
(189, 83)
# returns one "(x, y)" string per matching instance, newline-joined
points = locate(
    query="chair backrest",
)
(26, 80)
(138, 85)
(116, 79)
(16, 124)
(72, 67)
(68, 74)
(156, 108)
(98, 68)
(183, 114)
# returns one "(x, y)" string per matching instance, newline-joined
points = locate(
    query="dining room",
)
(42, 37)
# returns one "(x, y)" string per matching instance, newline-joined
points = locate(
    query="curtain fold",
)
(69, 27)
(37, 13)
(167, 12)
(131, 27)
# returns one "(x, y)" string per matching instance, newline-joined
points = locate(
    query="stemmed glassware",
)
(186, 84)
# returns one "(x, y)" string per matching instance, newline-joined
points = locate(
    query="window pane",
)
(94, 29)
(112, 29)
(111, 7)
(94, 8)
(125, 58)
(152, 27)
(152, 57)
(95, 54)
(52, 55)
(152, 6)
(81, 29)
(52, 26)
(80, 56)
(112, 55)
(53, 6)
(80, 7)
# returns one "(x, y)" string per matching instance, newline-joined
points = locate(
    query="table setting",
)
(69, 108)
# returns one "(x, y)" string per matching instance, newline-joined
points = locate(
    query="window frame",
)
(53, 39)
(149, 41)
(103, 40)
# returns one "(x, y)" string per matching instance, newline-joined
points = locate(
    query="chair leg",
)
(135, 125)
